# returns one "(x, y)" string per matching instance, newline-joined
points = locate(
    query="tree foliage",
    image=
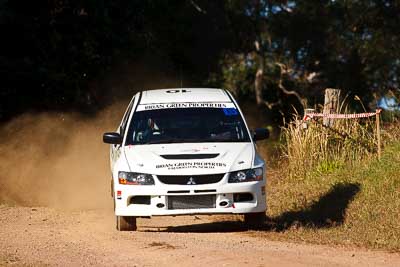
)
(53, 49)
(306, 46)
(289, 51)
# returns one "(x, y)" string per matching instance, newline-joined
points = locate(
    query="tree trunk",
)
(258, 82)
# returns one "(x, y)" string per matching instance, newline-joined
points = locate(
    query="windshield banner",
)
(225, 105)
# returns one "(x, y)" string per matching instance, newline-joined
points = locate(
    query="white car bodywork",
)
(149, 159)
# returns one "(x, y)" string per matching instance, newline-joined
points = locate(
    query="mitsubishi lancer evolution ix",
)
(185, 152)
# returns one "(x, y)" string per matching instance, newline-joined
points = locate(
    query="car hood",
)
(190, 159)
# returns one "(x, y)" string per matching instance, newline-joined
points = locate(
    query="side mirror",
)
(260, 134)
(112, 138)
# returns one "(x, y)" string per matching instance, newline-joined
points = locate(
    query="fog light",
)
(223, 203)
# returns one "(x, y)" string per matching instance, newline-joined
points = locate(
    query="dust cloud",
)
(57, 160)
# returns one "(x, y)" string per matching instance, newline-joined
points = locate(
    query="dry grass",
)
(331, 188)
(356, 205)
(324, 149)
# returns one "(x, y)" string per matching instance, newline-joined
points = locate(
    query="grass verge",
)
(355, 204)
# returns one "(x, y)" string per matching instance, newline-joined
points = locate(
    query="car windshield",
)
(186, 125)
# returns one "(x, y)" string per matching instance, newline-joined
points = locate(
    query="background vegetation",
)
(280, 54)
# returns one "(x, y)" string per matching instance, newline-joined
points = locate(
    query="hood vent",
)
(190, 156)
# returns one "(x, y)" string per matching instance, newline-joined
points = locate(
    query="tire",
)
(255, 220)
(126, 223)
(112, 188)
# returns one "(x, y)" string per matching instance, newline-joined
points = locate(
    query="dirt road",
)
(64, 165)
(44, 236)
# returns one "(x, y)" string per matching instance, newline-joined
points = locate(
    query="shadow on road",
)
(328, 211)
(210, 227)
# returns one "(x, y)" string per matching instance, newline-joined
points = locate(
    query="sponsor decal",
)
(227, 105)
(230, 111)
(190, 165)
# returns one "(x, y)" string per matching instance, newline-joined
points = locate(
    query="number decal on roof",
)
(177, 91)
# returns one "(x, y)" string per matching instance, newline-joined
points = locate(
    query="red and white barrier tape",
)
(341, 116)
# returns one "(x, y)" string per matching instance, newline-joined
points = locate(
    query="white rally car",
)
(185, 151)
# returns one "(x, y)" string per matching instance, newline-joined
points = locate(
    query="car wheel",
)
(112, 188)
(126, 223)
(255, 220)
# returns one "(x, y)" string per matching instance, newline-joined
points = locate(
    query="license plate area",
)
(191, 202)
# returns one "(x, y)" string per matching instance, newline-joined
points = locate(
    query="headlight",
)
(246, 176)
(134, 178)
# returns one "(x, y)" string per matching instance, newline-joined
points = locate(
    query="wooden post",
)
(378, 133)
(331, 104)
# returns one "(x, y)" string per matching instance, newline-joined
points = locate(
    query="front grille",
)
(190, 179)
(191, 202)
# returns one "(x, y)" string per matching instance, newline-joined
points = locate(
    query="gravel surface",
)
(50, 237)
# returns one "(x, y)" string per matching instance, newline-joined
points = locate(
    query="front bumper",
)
(159, 205)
